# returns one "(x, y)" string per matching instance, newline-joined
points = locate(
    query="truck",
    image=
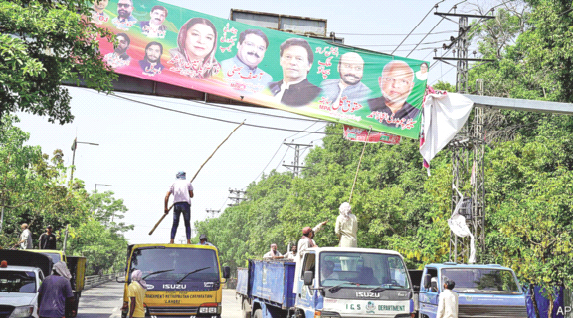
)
(484, 290)
(181, 279)
(21, 274)
(77, 267)
(329, 282)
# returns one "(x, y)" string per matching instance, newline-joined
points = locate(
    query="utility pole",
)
(212, 212)
(74, 147)
(295, 167)
(236, 196)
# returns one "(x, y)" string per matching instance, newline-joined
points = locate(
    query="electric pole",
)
(212, 212)
(236, 195)
(295, 167)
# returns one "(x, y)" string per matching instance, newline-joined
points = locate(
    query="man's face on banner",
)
(396, 83)
(157, 17)
(125, 8)
(153, 53)
(100, 4)
(351, 68)
(295, 63)
(252, 50)
(122, 44)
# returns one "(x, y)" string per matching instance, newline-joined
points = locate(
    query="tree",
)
(44, 43)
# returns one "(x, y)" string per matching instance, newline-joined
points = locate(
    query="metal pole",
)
(66, 239)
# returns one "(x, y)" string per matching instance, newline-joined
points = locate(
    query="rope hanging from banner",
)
(359, 165)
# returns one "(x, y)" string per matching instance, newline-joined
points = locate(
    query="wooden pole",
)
(194, 176)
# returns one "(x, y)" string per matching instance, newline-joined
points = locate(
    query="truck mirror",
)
(427, 282)
(308, 278)
(121, 281)
(226, 272)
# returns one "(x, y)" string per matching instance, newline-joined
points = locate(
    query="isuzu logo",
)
(149, 287)
(367, 294)
(174, 286)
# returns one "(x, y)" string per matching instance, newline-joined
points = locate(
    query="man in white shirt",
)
(447, 302)
(25, 238)
(273, 252)
(182, 194)
(346, 226)
(293, 253)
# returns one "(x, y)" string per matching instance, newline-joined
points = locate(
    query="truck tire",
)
(258, 314)
(246, 306)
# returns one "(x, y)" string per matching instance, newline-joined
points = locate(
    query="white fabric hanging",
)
(457, 224)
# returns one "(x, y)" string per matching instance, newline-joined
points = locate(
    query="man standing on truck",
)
(305, 242)
(203, 240)
(136, 294)
(25, 238)
(182, 194)
(55, 293)
(273, 252)
(346, 226)
(48, 239)
(447, 302)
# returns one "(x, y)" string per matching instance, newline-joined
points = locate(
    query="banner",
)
(266, 67)
(356, 134)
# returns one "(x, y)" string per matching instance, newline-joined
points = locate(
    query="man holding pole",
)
(182, 194)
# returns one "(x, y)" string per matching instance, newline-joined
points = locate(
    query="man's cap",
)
(202, 236)
(306, 230)
(180, 175)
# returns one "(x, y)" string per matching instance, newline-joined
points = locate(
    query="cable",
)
(211, 118)
(391, 34)
(442, 75)
(281, 161)
(392, 45)
(435, 6)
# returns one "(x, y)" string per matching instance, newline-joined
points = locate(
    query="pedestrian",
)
(136, 294)
(273, 252)
(293, 253)
(55, 293)
(25, 238)
(447, 301)
(182, 194)
(48, 239)
(346, 226)
(203, 240)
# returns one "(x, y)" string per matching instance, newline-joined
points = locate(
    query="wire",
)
(435, 6)
(281, 161)
(442, 75)
(392, 45)
(391, 34)
(211, 118)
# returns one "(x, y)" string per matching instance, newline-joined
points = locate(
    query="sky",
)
(141, 148)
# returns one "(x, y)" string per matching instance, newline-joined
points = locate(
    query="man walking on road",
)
(25, 238)
(182, 194)
(136, 294)
(48, 239)
(447, 302)
(55, 293)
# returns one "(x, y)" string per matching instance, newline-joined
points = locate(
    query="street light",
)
(96, 186)
(74, 146)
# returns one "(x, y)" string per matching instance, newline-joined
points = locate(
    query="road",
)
(105, 301)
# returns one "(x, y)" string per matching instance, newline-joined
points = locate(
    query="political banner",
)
(356, 134)
(261, 66)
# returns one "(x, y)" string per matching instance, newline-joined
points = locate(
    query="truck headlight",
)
(208, 310)
(22, 312)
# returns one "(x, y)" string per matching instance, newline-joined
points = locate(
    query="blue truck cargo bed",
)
(270, 281)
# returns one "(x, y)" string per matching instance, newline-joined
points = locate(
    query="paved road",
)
(105, 301)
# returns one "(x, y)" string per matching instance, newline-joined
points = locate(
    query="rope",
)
(358, 166)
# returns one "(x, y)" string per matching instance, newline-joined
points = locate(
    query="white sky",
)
(141, 148)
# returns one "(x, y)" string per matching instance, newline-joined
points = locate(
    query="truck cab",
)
(182, 280)
(353, 282)
(484, 290)
(21, 274)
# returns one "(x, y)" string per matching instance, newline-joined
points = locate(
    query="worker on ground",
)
(47, 240)
(346, 226)
(136, 294)
(293, 253)
(182, 194)
(273, 253)
(56, 293)
(203, 240)
(25, 238)
(447, 301)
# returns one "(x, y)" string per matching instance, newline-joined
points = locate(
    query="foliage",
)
(42, 45)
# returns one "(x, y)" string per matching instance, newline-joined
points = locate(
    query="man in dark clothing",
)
(55, 293)
(48, 239)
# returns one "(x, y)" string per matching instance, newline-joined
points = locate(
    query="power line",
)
(211, 118)
(392, 45)
(393, 34)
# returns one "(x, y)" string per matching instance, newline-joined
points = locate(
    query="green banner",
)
(280, 70)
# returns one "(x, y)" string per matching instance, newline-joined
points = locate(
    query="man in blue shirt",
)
(242, 71)
(55, 293)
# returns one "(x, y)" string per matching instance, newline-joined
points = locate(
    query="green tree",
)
(42, 45)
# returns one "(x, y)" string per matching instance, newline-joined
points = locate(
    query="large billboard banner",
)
(266, 67)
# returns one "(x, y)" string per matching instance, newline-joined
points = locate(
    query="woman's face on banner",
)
(200, 41)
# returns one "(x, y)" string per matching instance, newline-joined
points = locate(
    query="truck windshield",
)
(482, 280)
(17, 281)
(173, 264)
(369, 270)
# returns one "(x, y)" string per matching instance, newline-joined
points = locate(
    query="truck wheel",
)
(246, 306)
(258, 314)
